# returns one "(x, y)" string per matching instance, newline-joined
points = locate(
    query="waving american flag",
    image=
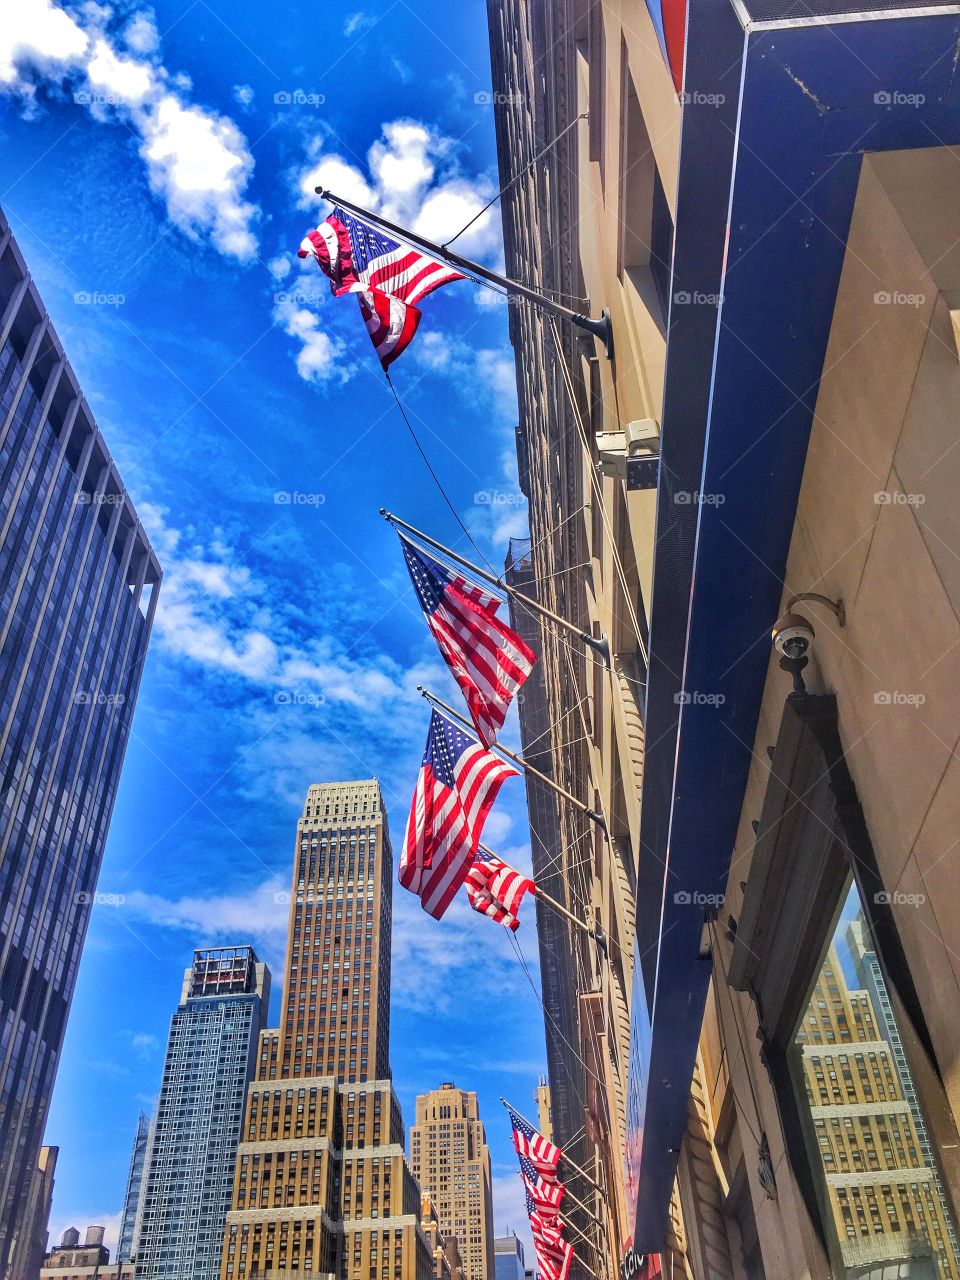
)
(389, 278)
(542, 1196)
(540, 1151)
(456, 787)
(496, 890)
(489, 661)
(554, 1254)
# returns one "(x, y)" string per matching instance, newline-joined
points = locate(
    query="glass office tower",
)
(188, 1171)
(78, 589)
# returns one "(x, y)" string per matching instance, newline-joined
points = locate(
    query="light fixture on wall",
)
(793, 635)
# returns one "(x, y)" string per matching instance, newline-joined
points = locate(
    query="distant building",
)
(321, 1183)
(430, 1225)
(450, 1159)
(78, 590)
(131, 1201)
(34, 1233)
(541, 1097)
(188, 1170)
(508, 1258)
(71, 1260)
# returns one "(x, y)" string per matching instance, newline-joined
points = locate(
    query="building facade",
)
(187, 1173)
(71, 1260)
(321, 1182)
(78, 584)
(750, 503)
(508, 1258)
(131, 1200)
(450, 1159)
(544, 1108)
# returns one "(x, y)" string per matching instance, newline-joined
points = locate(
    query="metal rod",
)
(582, 1172)
(527, 768)
(598, 645)
(552, 902)
(600, 329)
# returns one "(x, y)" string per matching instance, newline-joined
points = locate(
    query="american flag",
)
(554, 1254)
(496, 890)
(543, 1196)
(540, 1151)
(389, 278)
(489, 661)
(457, 785)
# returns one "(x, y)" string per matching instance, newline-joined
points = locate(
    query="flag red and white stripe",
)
(496, 890)
(456, 788)
(489, 661)
(554, 1254)
(543, 1154)
(546, 1196)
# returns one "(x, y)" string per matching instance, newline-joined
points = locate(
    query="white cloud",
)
(403, 72)
(243, 96)
(280, 266)
(357, 23)
(320, 357)
(197, 160)
(143, 1044)
(260, 916)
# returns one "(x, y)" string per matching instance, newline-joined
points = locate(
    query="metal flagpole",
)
(527, 768)
(601, 328)
(582, 1172)
(552, 902)
(598, 645)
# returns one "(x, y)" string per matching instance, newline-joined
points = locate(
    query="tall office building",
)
(541, 1097)
(131, 1201)
(321, 1180)
(885, 1193)
(188, 1170)
(450, 1159)
(78, 588)
(508, 1257)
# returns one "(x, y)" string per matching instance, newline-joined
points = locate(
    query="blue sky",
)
(157, 167)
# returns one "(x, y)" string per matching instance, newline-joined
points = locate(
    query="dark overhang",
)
(783, 100)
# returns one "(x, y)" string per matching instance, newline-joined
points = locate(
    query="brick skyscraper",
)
(451, 1160)
(321, 1182)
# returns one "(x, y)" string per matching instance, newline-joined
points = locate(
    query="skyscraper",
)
(131, 1201)
(321, 1180)
(508, 1257)
(78, 589)
(450, 1159)
(188, 1171)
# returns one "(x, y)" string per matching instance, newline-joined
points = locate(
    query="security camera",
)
(792, 636)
